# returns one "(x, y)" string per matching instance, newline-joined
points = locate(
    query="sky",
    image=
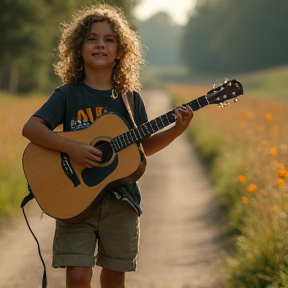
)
(177, 9)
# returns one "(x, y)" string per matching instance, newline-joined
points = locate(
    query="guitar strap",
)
(26, 199)
(128, 99)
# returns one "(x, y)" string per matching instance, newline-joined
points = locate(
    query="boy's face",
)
(100, 47)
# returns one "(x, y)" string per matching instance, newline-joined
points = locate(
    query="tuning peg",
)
(214, 86)
(226, 80)
(236, 100)
(226, 103)
(233, 94)
(221, 105)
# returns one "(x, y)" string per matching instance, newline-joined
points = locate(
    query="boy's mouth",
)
(99, 54)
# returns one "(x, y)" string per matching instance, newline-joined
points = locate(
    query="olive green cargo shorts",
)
(113, 229)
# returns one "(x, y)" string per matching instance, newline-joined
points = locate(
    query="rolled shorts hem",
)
(116, 265)
(73, 260)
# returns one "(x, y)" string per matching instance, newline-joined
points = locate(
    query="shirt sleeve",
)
(53, 109)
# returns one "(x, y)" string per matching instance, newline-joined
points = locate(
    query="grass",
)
(245, 147)
(268, 84)
(14, 112)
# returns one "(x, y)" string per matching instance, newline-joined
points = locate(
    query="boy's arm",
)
(160, 140)
(37, 131)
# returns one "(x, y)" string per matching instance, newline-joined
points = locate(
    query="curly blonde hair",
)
(126, 70)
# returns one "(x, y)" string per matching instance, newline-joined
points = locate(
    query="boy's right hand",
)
(37, 131)
(85, 155)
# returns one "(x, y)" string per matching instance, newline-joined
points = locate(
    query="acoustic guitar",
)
(70, 192)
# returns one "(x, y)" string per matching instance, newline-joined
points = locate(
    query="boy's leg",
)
(112, 279)
(78, 277)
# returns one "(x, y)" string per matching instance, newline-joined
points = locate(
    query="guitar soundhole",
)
(106, 149)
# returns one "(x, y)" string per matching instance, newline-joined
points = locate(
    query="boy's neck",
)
(100, 81)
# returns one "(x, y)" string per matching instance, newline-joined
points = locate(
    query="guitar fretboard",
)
(136, 134)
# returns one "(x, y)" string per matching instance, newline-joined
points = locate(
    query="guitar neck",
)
(136, 134)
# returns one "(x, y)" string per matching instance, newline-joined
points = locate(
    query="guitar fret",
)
(139, 134)
(123, 146)
(129, 137)
(168, 119)
(140, 130)
(149, 131)
(135, 136)
(117, 143)
(144, 133)
(158, 123)
(198, 103)
(150, 123)
(114, 144)
(158, 128)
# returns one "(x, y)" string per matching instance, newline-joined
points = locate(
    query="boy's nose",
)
(99, 46)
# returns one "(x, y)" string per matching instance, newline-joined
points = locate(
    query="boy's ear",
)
(119, 55)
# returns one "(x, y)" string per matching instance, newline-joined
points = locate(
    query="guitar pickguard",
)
(94, 176)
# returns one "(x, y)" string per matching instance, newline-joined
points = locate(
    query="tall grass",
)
(246, 148)
(14, 112)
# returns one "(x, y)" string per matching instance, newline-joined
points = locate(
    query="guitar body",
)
(73, 199)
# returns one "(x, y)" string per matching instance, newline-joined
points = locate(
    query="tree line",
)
(223, 36)
(236, 36)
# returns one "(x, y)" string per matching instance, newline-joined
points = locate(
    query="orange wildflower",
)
(266, 143)
(245, 200)
(282, 172)
(241, 179)
(268, 117)
(281, 182)
(251, 188)
(273, 151)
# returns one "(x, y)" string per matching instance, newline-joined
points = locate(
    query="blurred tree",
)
(236, 36)
(30, 34)
(161, 36)
(28, 30)
(128, 7)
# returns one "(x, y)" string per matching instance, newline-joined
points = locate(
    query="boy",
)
(100, 59)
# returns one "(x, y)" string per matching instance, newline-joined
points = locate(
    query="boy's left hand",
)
(183, 115)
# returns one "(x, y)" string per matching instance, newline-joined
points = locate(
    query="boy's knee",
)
(110, 278)
(78, 277)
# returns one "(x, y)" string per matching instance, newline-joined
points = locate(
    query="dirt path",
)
(180, 228)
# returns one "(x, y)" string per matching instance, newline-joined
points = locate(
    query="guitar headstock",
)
(229, 89)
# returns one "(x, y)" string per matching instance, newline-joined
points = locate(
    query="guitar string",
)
(160, 122)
